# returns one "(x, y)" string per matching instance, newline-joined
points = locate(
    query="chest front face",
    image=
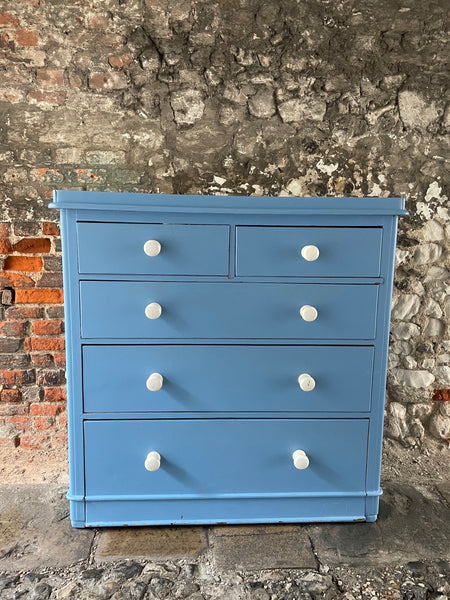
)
(225, 363)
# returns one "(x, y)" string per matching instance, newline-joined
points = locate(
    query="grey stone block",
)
(250, 548)
(35, 529)
(151, 542)
(410, 526)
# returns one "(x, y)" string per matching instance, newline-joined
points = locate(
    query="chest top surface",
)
(233, 205)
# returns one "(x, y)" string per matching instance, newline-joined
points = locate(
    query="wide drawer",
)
(215, 378)
(116, 309)
(277, 251)
(211, 457)
(184, 249)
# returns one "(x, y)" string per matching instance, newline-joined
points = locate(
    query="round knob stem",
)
(308, 313)
(306, 382)
(153, 310)
(153, 461)
(301, 461)
(310, 253)
(152, 247)
(155, 382)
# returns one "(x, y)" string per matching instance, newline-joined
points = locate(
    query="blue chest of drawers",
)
(226, 356)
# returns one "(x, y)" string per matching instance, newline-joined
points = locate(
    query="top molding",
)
(270, 205)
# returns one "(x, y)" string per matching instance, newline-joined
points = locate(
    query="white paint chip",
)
(434, 191)
(328, 169)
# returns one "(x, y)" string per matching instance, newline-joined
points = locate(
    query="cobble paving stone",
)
(146, 580)
(412, 524)
(254, 547)
(151, 542)
(35, 528)
(201, 576)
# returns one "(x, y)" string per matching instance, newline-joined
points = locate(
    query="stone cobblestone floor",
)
(405, 555)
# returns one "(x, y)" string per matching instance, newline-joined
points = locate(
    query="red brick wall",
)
(32, 358)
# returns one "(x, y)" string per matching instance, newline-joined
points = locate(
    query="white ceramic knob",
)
(152, 247)
(308, 313)
(153, 310)
(153, 461)
(155, 382)
(306, 382)
(310, 253)
(301, 461)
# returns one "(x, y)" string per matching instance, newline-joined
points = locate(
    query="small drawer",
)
(149, 249)
(205, 310)
(211, 457)
(217, 378)
(308, 251)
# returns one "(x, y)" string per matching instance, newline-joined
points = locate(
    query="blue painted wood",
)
(227, 204)
(220, 278)
(114, 378)
(222, 511)
(73, 369)
(276, 251)
(158, 416)
(227, 341)
(226, 496)
(310, 219)
(234, 322)
(236, 310)
(374, 451)
(186, 249)
(227, 456)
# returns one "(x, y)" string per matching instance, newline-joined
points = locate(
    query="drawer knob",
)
(155, 382)
(306, 382)
(310, 253)
(152, 247)
(301, 461)
(153, 310)
(153, 461)
(308, 313)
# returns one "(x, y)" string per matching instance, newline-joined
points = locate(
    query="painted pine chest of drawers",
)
(226, 356)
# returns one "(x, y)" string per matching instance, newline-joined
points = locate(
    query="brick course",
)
(26, 37)
(9, 395)
(26, 296)
(53, 327)
(47, 100)
(50, 77)
(32, 246)
(8, 20)
(23, 263)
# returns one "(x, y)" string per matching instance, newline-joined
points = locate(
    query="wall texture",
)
(287, 97)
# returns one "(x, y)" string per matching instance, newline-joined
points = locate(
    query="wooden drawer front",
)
(276, 251)
(116, 309)
(224, 456)
(185, 249)
(227, 378)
